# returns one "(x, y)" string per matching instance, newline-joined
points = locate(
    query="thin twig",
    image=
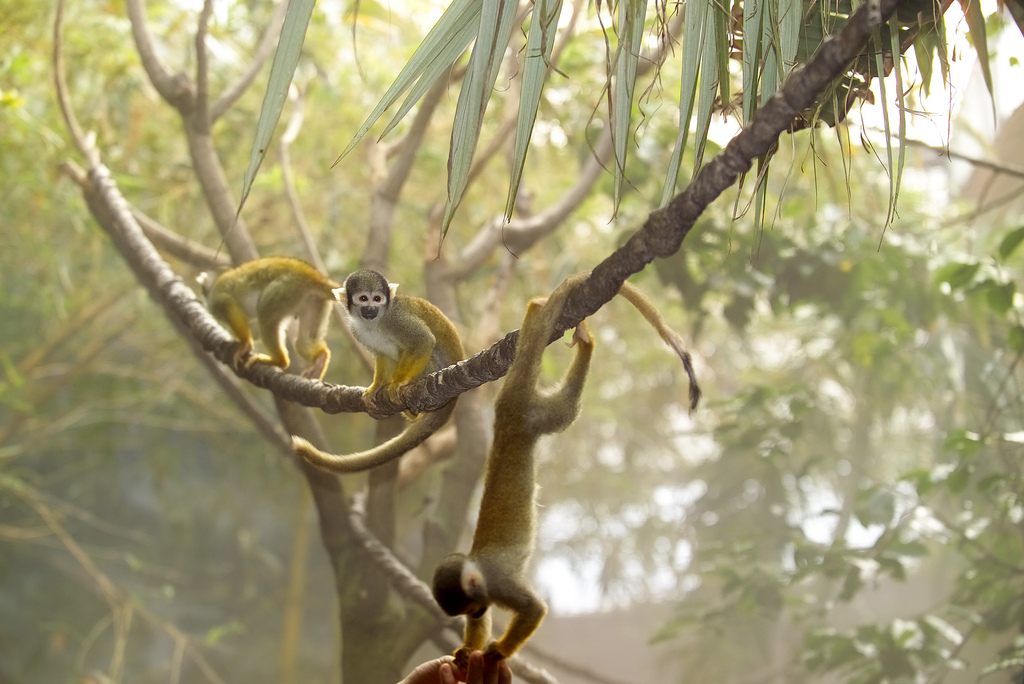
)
(267, 44)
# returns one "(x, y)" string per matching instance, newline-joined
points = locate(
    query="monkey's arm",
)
(478, 631)
(413, 330)
(380, 375)
(234, 316)
(527, 612)
(555, 411)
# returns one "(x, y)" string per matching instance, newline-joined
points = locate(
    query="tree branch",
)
(268, 42)
(201, 116)
(520, 234)
(387, 191)
(661, 235)
(176, 89)
(191, 252)
(998, 167)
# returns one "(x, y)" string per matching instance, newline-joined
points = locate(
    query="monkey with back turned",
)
(272, 290)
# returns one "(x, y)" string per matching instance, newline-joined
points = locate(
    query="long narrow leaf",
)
(722, 20)
(441, 62)
(631, 31)
(771, 71)
(790, 20)
(497, 19)
(693, 39)
(535, 71)
(448, 35)
(897, 176)
(289, 47)
(769, 81)
(753, 20)
(708, 87)
(976, 24)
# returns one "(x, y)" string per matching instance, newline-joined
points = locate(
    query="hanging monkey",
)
(494, 571)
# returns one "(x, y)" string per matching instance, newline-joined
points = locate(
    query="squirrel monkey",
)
(272, 290)
(494, 570)
(409, 337)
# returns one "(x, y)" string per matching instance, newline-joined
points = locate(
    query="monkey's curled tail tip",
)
(695, 391)
(303, 449)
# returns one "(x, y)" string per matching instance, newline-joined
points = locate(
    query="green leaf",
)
(1000, 296)
(289, 47)
(434, 70)
(914, 549)
(627, 57)
(708, 86)
(958, 480)
(852, 584)
(753, 19)
(218, 633)
(790, 20)
(875, 506)
(538, 52)
(1010, 242)
(497, 19)
(922, 480)
(723, 20)
(991, 482)
(1015, 339)
(442, 45)
(924, 48)
(963, 443)
(976, 24)
(693, 41)
(957, 275)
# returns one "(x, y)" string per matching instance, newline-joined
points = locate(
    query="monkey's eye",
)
(377, 299)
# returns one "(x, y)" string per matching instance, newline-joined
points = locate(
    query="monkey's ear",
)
(205, 280)
(392, 289)
(473, 582)
(339, 294)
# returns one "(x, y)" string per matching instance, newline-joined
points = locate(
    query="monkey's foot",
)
(371, 397)
(263, 358)
(393, 395)
(317, 370)
(581, 334)
(462, 658)
(493, 653)
(241, 351)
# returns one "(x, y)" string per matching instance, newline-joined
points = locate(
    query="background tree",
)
(806, 313)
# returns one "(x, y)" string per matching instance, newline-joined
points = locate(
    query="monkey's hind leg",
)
(271, 311)
(310, 344)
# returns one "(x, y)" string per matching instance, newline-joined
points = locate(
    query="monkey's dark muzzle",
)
(369, 312)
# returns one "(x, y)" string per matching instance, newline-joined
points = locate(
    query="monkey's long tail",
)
(414, 435)
(634, 296)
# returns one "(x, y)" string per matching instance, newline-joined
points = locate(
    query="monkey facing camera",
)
(409, 337)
